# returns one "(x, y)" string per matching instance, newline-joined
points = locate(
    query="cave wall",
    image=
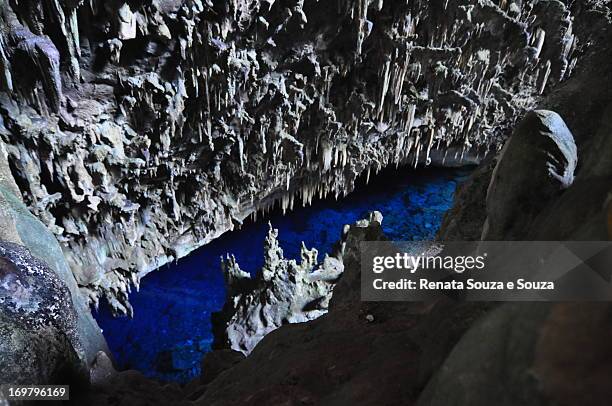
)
(139, 130)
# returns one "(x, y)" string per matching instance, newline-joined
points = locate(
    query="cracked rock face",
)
(19, 226)
(138, 131)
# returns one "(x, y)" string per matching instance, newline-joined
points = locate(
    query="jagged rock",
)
(538, 349)
(356, 354)
(533, 352)
(536, 166)
(527, 353)
(19, 226)
(149, 128)
(584, 103)
(283, 292)
(38, 323)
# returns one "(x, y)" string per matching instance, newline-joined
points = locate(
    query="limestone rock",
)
(147, 129)
(283, 292)
(535, 166)
(356, 354)
(550, 213)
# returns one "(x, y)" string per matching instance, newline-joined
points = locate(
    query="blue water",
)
(171, 328)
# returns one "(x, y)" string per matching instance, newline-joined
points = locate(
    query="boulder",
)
(536, 165)
(38, 323)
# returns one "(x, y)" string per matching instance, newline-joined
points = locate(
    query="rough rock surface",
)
(140, 130)
(358, 353)
(450, 353)
(339, 358)
(434, 353)
(555, 353)
(38, 323)
(283, 292)
(19, 226)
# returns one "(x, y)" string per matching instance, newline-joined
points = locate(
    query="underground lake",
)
(171, 328)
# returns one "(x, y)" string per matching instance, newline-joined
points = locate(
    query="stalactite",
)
(242, 103)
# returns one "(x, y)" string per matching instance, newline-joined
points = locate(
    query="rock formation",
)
(283, 292)
(547, 153)
(450, 352)
(19, 227)
(143, 129)
(358, 353)
(39, 337)
(140, 130)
